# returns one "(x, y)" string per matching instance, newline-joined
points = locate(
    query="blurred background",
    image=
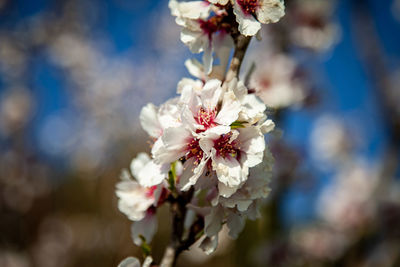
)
(75, 74)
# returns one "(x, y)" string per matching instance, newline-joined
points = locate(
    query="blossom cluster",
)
(207, 26)
(208, 138)
(208, 142)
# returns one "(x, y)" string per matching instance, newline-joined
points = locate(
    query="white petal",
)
(147, 261)
(226, 191)
(243, 205)
(129, 262)
(190, 174)
(230, 109)
(209, 244)
(138, 163)
(207, 58)
(228, 171)
(189, 121)
(173, 6)
(133, 201)
(146, 228)
(172, 145)
(152, 174)
(193, 39)
(207, 137)
(168, 114)
(193, 10)
(213, 221)
(221, 2)
(270, 11)
(211, 93)
(235, 223)
(248, 25)
(195, 68)
(238, 88)
(253, 145)
(149, 120)
(267, 126)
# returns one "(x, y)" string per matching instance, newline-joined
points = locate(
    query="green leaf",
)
(146, 248)
(237, 124)
(172, 179)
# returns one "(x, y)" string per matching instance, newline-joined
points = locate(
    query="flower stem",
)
(177, 244)
(241, 44)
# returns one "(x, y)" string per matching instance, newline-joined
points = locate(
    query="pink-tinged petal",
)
(149, 120)
(146, 228)
(230, 109)
(248, 25)
(172, 145)
(133, 200)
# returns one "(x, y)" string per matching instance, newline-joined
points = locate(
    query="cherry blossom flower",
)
(250, 14)
(202, 31)
(137, 200)
(340, 207)
(311, 25)
(276, 82)
(232, 154)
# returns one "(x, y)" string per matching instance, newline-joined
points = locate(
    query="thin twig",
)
(241, 44)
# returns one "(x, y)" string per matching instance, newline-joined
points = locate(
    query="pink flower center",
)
(150, 191)
(213, 24)
(265, 83)
(206, 118)
(208, 26)
(315, 21)
(226, 148)
(194, 151)
(249, 7)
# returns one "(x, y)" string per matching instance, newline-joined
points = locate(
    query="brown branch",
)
(241, 44)
(177, 244)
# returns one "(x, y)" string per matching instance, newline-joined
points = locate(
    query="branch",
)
(241, 44)
(177, 244)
